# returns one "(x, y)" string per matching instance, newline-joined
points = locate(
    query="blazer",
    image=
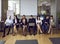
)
(46, 20)
(25, 21)
(33, 20)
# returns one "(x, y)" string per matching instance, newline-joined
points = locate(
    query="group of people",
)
(31, 25)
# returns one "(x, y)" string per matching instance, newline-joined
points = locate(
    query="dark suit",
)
(33, 20)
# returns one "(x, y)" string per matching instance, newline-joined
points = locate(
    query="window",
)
(13, 5)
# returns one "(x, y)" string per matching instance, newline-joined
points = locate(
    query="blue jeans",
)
(45, 28)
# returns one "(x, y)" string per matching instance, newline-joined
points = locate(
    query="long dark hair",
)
(24, 16)
(51, 16)
(37, 18)
(16, 16)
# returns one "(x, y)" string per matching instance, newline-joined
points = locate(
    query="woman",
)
(51, 24)
(39, 23)
(24, 24)
(16, 24)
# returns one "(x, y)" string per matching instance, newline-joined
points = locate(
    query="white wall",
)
(28, 7)
(0, 10)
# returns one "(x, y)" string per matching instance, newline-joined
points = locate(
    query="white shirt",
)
(8, 22)
(15, 20)
(39, 21)
(23, 20)
(51, 22)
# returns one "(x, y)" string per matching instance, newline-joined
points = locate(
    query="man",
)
(8, 24)
(46, 24)
(32, 25)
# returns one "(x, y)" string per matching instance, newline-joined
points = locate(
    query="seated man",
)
(32, 25)
(24, 24)
(8, 24)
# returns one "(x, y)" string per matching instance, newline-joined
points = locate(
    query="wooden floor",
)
(42, 38)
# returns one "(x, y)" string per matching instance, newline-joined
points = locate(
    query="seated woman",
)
(24, 24)
(46, 24)
(39, 23)
(51, 24)
(8, 24)
(32, 25)
(16, 23)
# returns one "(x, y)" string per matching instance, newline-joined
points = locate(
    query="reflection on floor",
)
(42, 38)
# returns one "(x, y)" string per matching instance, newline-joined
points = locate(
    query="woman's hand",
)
(41, 31)
(49, 29)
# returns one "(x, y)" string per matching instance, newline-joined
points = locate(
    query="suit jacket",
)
(33, 20)
(46, 20)
(25, 21)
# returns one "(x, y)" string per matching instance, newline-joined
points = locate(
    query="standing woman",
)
(24, 24)
(39, 23)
